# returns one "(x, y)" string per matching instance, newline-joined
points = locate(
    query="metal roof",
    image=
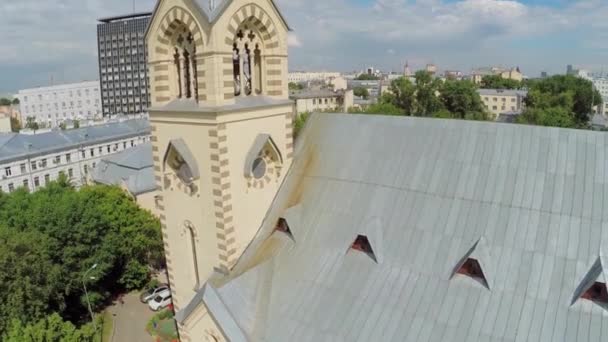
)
(19, 146)
(132, 168)
(125, 17)
(538, 197)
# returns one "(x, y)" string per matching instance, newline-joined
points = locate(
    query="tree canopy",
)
(367, 77)
(432, 97)
(498, 82)
(361, 92)
(6, 102)
(51, 237)
(562, 101)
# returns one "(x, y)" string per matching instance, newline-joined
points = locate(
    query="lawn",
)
(162, 327)
(108, 327)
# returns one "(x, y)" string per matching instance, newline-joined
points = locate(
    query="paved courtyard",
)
(130, 319)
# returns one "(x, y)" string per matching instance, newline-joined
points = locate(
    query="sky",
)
(55, 41)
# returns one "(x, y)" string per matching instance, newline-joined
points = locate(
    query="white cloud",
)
(292, 40)
(59, 36)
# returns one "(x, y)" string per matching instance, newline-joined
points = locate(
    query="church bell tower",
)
(222, 130)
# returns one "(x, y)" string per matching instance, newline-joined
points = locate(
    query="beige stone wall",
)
(221, 209)
(5, 123)
(316, 104)
(498, 104)
(148, 202)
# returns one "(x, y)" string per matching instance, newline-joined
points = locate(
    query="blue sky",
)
(57, 39)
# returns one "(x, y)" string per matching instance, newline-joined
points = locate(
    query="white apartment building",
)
(50, 106)
(600, 82)
(503, 101)
(32, 161)
(321, 100)
(300, 76)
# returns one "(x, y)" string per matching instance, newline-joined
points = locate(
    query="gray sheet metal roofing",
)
(132, 168)
(18, 146)
(537, 196)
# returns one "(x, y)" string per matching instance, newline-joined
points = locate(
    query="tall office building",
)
(123, 70)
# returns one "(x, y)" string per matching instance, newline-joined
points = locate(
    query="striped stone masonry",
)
(289, 123)
(175, 21)
(160, 205)
(222, 198)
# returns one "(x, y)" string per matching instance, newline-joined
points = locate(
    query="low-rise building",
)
(51, 106)
(512, 74)
(5, 123)
(32, 161)
(320, 100)
(133, 171)
(303, 76)
(500, 101)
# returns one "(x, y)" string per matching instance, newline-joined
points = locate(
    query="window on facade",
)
(57, 160)
(36, 182)
(26, 184)
(132, 143)
(83, 154)
(7, 171)
(47, 179)
(34, 166)
(86, 169)
(92, 152)
(23, 169)
(247, 61)
(185, 63)
(11, 187)
(70, 173)
(43, 163)
(494, 107)
(68, 158)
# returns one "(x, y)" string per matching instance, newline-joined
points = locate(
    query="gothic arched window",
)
(247, 63)
(184, 60)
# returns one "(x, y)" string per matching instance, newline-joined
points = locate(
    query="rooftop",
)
(530, 203)
(132, 168)
(502, 92)
(125, 17)
(19, 146)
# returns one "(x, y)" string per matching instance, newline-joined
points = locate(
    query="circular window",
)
(259, 168)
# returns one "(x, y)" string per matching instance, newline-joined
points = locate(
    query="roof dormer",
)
(475, 263)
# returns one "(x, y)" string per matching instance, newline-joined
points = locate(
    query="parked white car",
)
(161, 301)
(151, 293)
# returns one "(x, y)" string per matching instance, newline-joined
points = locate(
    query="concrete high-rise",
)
(123, 72)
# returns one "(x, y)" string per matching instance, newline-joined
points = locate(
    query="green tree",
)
(295, 86)
(361, 92)
(5, 102)
(427, 91)
(402, 95)
(15, 101)
(51, 237)
(76, 124)
(15, 125)
(461, 98)
(300, 123)
(384, 109)
(30, 123)
(498, 82)
(50, 329)
(367, 77)
(563, 101)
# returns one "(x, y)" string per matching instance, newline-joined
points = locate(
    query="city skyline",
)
(340, 35)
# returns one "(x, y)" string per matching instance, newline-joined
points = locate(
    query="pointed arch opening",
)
(184, 51)
(247, 58)
(593, 285)
(264, 161)
(180, 161)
